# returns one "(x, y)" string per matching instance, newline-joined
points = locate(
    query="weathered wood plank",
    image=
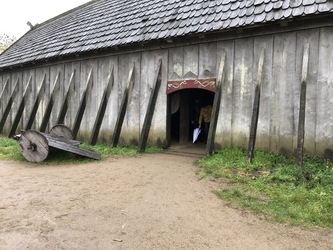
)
(4, 96)
(284, 89)
(65, 104)
(28, 75)
(102, 108)
(216, 107)
(130, 132)
(242, 94)
(150, 109)
(64, 145)
(5, 90)
(83, 104)
(149, 67)
(2, 83)
(224, 127)
(75, 85)
(207, 60)
(9, 105)
(110, 116)
(191, 62)
(49, 106)
(42, 74)
(301, 119)
(35, 106)
(312, 88)
(324, 110)
(88, 68)
(20, 110)
(263, 136)
(56, 139)
(57, 76)
(176, 61)
(158, 133)
(256, 107)
(122, 110)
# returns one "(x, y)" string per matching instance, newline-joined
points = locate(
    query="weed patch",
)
(275, 187)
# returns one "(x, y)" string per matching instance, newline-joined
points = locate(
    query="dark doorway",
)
(184, 111)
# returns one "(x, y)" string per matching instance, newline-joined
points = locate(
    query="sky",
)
(16, 13)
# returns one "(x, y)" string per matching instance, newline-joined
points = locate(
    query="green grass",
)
(9, 150)
(274, 186)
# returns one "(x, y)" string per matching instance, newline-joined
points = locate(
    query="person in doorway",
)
(204, 119)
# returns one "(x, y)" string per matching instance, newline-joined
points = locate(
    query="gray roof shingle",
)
(107, 23)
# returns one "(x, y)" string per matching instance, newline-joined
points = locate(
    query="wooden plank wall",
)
(4, 79)
(224, 132)
(57, 71)
(149, 63)
(278, 116)
(105, 65)
(324, 109)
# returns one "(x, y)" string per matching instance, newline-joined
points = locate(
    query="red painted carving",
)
(207, 84)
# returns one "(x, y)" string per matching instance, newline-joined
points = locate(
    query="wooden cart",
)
(35, 146)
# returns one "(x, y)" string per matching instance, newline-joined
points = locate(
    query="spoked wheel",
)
(62, 131)
(34, 146)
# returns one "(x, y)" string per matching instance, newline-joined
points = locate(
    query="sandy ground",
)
(147, 202)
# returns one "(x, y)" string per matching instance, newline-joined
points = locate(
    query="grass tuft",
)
(274, 186)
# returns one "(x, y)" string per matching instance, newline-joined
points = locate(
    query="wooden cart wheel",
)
(62, 131)
(34, 146)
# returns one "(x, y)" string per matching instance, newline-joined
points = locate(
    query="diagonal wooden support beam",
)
(216, 107)
(64, 106)
(102, 108)
(83, 104)
(5, 93)
(122, 110)
(9, 103)
(21, 108)
(49, 107)
(256, 107)
(301, 117)
(150, 109)
(36, 104)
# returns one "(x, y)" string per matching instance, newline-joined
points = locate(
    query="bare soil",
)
(154, 201)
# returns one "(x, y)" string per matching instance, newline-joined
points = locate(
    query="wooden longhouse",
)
(127, 71)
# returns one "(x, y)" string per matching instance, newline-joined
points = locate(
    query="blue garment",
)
(206, 129)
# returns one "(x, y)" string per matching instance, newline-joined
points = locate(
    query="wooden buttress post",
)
(20, 109)
(150, 109)
(256, 108)
(9, 103)
(216, 107)
(49, 107)
(301, 119)
(83, 104)
(5, 95)
(122, 110)
(64, 106)
(36, 104)
(102, 108)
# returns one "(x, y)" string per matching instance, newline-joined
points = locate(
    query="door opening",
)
(184, 110)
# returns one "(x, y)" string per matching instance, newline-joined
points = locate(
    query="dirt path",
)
(147, 202)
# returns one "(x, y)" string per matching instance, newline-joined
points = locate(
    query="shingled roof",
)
(104, 24)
